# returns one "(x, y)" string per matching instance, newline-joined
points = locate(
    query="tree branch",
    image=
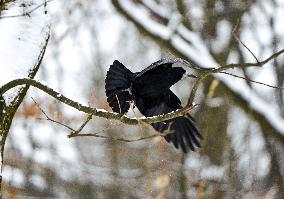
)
(206, 73)
(118, 139)
(93, 111)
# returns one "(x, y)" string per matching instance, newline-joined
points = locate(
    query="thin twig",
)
(73, 131)
(123, 139)
(50, 119)
(244, 65)
(116, 139)
(239, 40)
(257, 82)
(72, 134)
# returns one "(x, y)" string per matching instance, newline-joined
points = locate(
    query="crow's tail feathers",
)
(181, 132)
(117, 86)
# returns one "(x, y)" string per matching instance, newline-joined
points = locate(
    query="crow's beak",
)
(190, 75)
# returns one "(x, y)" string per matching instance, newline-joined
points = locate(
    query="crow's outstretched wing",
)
(156, 79)
(182, 131)
(117, 86)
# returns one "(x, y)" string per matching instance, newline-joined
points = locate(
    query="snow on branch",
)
(23, 42)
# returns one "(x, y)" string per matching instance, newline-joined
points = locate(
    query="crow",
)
(150, 92)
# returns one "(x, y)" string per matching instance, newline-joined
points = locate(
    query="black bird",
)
(151, 94)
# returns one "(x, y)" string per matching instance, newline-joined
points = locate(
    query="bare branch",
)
(76, 133)
(50, 119)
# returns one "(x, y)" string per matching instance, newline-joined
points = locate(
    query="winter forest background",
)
(242, 155)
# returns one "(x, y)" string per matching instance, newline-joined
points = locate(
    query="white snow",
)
(38, 181)
(196, 49)
(140, 15)
(102, 110)
(21, 39)
(14, 176)
(157, 8)
(268, 110)
(224, 30)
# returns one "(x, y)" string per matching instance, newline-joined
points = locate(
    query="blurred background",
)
(242, 155)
